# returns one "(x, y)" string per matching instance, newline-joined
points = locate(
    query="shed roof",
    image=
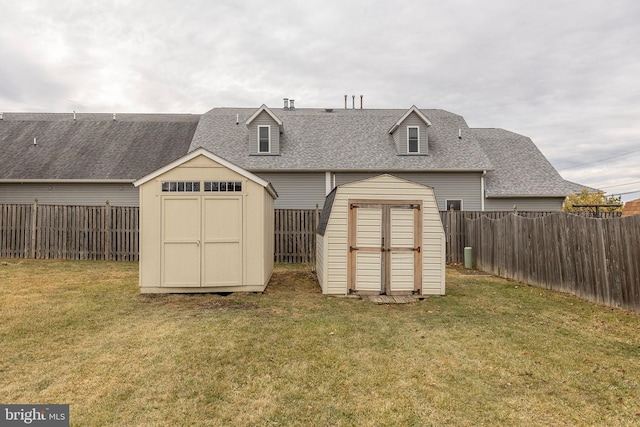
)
(91, 146)
(203, 152)
(325, 215)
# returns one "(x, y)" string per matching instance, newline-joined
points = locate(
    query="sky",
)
(565, 73)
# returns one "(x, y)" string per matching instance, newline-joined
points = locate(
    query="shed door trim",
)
(395, 251)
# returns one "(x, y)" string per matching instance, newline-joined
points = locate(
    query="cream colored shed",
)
(382, 235)
(206, 225)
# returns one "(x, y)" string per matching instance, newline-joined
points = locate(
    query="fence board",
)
(112, 232)
(595, 259)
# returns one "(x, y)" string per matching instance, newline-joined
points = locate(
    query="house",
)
(303, 152)
(86, 159)
(632, 207)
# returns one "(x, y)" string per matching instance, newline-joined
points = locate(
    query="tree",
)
(586, 197)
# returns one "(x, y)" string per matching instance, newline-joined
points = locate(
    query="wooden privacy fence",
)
(69, 232)
(455, 226)
(295, 235)
(111, 232)
(595, 259)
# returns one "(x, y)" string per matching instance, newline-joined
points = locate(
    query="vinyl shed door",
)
(384, 247)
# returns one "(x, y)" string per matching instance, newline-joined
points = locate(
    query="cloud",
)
(563, 73)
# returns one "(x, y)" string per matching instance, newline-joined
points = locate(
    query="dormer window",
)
(410, 133)
(264, 139)
(413, 139)
(265, 130)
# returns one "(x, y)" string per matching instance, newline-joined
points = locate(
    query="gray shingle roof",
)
(92, 147)
(520, 168)
(352, 139)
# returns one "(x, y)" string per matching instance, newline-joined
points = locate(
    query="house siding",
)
(75, 194)
(264, 119)
(524, 204)
(464, 186)
(297, 190)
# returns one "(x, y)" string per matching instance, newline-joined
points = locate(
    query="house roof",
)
(341, 140)
(269, 112)
(203, 152)
(413, 109)
(632, 207)
(520, 169)
(93, 147)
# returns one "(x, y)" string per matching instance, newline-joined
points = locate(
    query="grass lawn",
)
(490, 352)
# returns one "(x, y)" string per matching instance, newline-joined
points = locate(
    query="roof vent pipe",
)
(345, 102)
(74, 114)
(459, 133)
(361, 96)
(237, 118)
(1, 116)
(114, 117)
(353, 102)
(34, 141)
(286, 103)
(291, 105)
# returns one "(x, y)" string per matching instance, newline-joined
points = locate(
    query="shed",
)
(206, 225)
(381, 235)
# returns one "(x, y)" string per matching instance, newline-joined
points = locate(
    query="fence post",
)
(34, 224)
(107, 231)
(453, 244)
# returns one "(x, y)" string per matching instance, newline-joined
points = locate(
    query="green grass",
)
(490, 352)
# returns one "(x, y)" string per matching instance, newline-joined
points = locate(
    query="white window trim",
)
(418, 145)
(446, 203)
(269, 139)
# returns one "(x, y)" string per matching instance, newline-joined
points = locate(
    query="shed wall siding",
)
(386, 188)
(297, 190)
(89, 194)
(524, 204)
(465, 186)
(264, 119)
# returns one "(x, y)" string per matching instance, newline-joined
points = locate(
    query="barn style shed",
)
(206, 225)
(381, 235)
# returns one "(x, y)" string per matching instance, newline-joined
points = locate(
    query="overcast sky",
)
(565, 73)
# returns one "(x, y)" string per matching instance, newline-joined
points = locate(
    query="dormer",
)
(410, 133)
(264, 132)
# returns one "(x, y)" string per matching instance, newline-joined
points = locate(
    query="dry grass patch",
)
(491, 352)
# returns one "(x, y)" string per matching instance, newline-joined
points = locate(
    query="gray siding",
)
(264, 119)
(522, 204)
(400, 135)
(297, 190)
(70, 194)
(464, 186)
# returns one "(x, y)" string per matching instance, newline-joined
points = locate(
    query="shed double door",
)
(201, 241)
(385, 241)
